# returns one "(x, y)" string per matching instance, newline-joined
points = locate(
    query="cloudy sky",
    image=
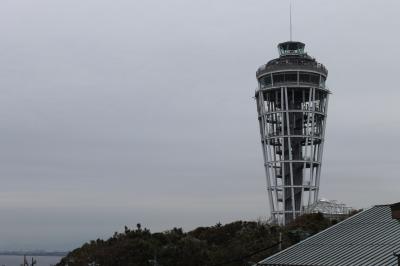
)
(118, 112)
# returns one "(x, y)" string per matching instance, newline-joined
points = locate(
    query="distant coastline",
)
(34, 253)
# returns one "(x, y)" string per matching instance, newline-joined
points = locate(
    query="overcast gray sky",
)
(117, 112)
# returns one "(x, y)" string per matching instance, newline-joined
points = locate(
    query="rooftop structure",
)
(371, 237)
(330, 209)
(292, 104)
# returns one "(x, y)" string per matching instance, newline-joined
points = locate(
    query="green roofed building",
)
(371, 237)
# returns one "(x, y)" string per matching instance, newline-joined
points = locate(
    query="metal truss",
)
(292, 118)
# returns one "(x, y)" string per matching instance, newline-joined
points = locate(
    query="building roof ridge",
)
(313, 236)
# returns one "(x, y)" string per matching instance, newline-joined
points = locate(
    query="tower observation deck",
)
(292, 104)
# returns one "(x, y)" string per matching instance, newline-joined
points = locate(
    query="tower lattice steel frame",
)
(292, 105)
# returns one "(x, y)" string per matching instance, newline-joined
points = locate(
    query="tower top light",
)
(291, 48)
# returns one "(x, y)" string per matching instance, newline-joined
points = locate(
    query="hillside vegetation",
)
(234, 244)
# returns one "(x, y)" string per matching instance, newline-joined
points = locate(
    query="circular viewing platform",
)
(292, 57)
(291, 65)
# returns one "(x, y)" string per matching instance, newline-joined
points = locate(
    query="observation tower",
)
(292, 105)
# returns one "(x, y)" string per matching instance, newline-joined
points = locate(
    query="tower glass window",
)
(291, 77)
(278, 78)
(266, 81)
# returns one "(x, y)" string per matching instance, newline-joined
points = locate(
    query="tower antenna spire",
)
(290, 19)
